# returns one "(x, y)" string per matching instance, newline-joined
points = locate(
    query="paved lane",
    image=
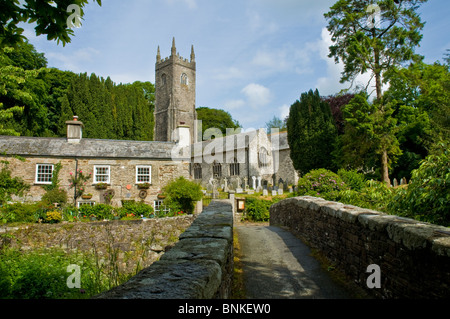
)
(277, 265)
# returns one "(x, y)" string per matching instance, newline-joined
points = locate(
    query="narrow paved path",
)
(277, 265)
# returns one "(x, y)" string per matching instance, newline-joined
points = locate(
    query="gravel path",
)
(277, 265)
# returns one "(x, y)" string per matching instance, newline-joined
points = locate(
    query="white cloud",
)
(257, 95)
(234, 104)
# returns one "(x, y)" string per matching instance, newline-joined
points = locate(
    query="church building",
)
(136, 170)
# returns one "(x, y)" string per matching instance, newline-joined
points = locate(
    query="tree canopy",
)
(364, 46)
(216, 118)
(50, 16)
(311, 133)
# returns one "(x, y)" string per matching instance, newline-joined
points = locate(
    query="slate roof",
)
(86, 148)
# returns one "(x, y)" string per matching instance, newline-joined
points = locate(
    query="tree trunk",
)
(385, 168)
(384, 155)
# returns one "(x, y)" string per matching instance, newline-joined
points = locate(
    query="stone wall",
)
(414, 257)
(199, 266)
(143, 241)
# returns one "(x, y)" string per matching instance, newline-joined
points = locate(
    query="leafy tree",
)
(13, 95)
(311, 133)
(50, 17)
(376, 48)
(275, 122)
(369, 133)
(337, 102)
(215, 118)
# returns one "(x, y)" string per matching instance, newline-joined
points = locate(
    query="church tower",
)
(175, 113)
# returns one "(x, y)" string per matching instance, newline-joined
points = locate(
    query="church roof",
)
(87, 148)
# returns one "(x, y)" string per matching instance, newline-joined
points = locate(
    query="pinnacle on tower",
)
(174, 49)
(192, 54)
(158, 55)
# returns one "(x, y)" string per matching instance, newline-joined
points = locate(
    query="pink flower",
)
(71, 173)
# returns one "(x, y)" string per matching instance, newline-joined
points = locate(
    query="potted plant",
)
(101, 186)
(143, 185)
(78, 180)
(161, 196)
(86, 196)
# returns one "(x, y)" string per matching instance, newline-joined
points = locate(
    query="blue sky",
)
(254, 57)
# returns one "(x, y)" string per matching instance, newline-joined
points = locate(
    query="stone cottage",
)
(129, 170)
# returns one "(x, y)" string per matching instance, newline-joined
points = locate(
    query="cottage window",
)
(102, 174)
(143, 174)
(160, 207)
(234, 168)
(44, 173)
(197, 171)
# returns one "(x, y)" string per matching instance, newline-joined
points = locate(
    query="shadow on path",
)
(278, 265)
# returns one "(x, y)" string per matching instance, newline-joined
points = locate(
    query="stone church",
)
(136, 170)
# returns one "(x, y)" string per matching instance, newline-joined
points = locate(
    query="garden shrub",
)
(53, 217)
(138, 209)
(23, 213)
(353, 179)
(257, 210)
(427, 196)
(181, 195)
(55, 195)
(321, 182)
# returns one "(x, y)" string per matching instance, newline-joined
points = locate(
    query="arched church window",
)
(184, 79)
(263, 157)
(234, 168)
(163, 79)
(197, 171)
(217, 170)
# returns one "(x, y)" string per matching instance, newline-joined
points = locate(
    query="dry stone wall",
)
(135, 241)
(414, 257)
(199, 266)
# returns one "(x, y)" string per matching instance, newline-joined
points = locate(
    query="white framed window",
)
(160, 207)
(102, 174)
(44, 173)
(143, 174)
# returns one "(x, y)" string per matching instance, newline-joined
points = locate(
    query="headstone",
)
(274, 193)
(250, 192)
(265, 192)
(225, 186)
(280, 191)
(291, 190)
(395, 182)
(254, 182)
(245, 183)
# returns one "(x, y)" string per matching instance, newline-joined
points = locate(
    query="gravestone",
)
(254, 182)
(395, 182)
(265, 192)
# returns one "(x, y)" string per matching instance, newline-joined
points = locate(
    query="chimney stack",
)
(74, 130)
